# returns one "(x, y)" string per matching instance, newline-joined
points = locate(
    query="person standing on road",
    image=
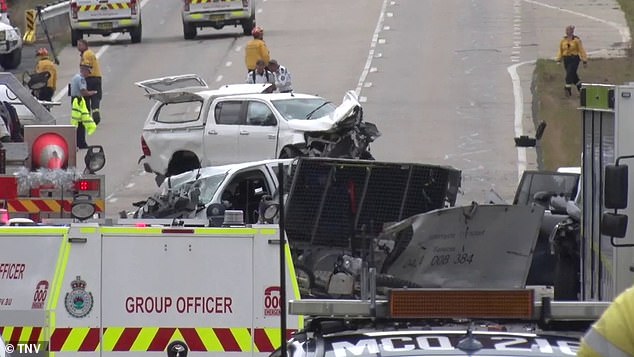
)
(612, 334)
(80, 115)
(256, 50)
(88, 57)
(261, 75)
(282, 77)
(44, 64)
(572, 52)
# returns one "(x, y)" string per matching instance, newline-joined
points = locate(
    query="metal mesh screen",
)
(333, 200)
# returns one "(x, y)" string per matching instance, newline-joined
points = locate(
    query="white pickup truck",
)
(192, 126)
(217, 14)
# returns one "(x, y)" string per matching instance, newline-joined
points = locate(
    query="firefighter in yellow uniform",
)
(613, 333)
(93, 80)
(572, 52)
(256, 50)
(44, 64)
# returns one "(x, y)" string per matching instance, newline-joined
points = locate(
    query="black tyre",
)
(189, 31)
(75, 36)
(248, 25)
(136, 33)
(289, 152)
(11, 60)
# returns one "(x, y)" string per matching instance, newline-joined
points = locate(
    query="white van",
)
(217, 14)
(104, 17)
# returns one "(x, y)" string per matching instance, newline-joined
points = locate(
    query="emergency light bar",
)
(452, 304)
(435, 303)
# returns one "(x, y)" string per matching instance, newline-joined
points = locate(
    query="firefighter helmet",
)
(257, 31)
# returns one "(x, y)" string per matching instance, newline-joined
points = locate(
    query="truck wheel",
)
(135, 34)
(290, 152)
(189, 31)
(11, 60)
(75, 36)
(248, 25)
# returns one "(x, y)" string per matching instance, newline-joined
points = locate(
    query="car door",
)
(222, 131)
(258, 135)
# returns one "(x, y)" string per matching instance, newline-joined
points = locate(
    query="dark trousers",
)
(571, 64)
(94, 101)
(81, 132)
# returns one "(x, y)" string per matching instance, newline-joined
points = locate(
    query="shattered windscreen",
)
(304, 108)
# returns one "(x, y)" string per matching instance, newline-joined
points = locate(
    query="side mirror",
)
(615, 191)
(614, 224)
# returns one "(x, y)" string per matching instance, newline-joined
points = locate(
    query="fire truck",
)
(40, 176)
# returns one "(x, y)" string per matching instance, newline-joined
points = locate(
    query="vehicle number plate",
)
(216, 17)
(104, 25)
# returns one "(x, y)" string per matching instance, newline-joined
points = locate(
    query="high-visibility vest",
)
(612, 334)
(81, 114)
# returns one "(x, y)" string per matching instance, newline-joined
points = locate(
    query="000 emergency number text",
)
(181, 304)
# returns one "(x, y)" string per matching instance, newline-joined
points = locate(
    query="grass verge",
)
(561, 143)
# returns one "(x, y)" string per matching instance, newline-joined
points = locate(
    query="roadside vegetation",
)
(561, 143)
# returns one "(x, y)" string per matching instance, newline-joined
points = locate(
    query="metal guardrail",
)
(55, 10)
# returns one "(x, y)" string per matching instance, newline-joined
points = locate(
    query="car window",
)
(260, 114)
(300, 108)
(244, 193)
(208, 187)
(228, 113)
(181, 112)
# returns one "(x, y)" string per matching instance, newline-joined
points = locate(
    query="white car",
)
(217, 14)
(10, 46)
(234, 187)
(193, 126)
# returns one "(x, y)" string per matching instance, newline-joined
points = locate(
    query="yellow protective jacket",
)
(255, 50)
(613, 333)
(81, 114)
(574, 47)
(46, 65)
(88, 58)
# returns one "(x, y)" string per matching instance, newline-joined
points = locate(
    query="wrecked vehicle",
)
(207, 192)
(192, 126)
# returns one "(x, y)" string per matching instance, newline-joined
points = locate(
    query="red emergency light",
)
(50, 150)
(51, 146)
(87, 185)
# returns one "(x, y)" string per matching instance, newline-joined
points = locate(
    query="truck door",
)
(258, 135)
(220, 143)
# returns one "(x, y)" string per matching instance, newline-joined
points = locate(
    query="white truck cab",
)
(217, 14)
(104, 17)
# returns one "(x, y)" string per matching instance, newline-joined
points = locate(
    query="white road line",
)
(219, 78)
(517, 86)
(375, 38)
(624, 31)
(99, 53)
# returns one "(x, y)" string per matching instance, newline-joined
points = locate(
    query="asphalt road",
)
(437, 78)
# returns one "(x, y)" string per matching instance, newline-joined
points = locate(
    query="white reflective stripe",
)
(601, 345)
